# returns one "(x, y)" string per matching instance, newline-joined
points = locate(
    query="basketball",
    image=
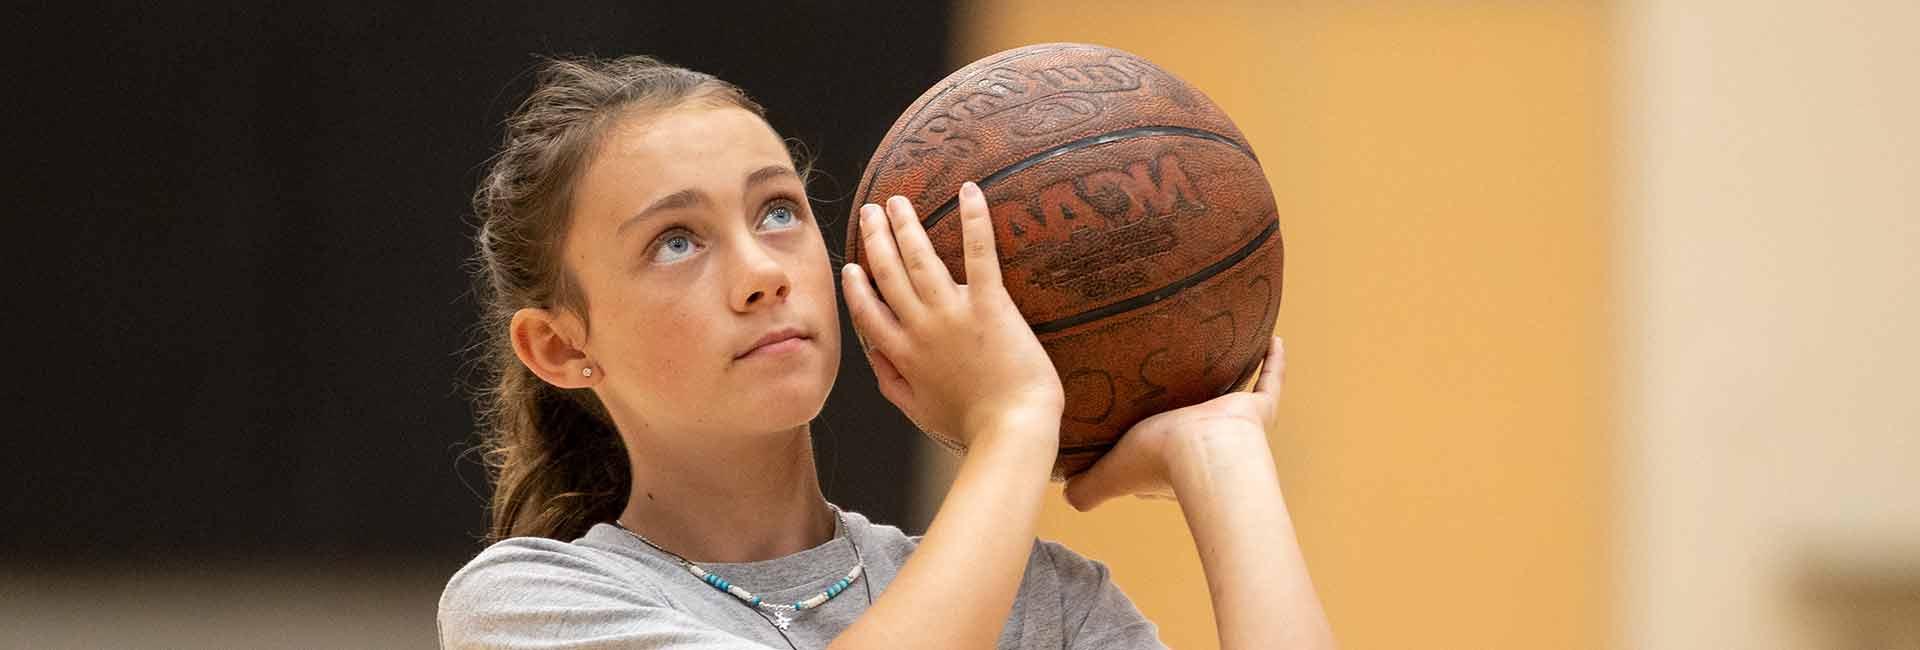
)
(1136, 230)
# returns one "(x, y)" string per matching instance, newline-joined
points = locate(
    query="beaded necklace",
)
(783, 613)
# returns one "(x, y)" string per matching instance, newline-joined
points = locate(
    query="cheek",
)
(816, 277)
(813, 258)
(820, 280)
(657, 341)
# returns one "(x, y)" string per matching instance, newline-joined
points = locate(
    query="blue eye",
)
(674, 247)
(780, 217)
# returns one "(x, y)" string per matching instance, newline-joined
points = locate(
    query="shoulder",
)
(527, 583)
(529, 567)
(529, 592)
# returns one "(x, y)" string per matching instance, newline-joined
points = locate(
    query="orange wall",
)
(1440, 169)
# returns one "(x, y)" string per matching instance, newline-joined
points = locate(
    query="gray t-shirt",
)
(608, 590)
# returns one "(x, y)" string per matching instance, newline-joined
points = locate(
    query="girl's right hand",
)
(956, 358)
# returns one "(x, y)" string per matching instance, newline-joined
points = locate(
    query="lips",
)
(775, 336)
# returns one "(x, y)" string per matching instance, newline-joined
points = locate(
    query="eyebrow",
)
(690, 197)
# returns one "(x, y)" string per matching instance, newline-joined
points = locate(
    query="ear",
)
(546, 342)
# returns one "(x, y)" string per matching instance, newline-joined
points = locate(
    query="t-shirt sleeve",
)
(1095, 613)
(537, 594)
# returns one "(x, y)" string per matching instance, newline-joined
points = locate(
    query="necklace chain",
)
(782, 613)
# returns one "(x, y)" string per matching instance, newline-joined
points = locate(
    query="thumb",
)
(1116, 474)
(1273, 370)
(1081, 497)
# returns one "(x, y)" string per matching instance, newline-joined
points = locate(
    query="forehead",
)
(678, 147)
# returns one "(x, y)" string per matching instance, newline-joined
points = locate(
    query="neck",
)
(755, 500)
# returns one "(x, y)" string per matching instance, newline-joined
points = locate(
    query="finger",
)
(872, 320)
(1114, 475)
(883, 263)
(892, 384)
(977, 239)
(924, 269)
(1272, 371)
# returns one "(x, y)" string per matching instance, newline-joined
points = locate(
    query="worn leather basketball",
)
(1137, 232)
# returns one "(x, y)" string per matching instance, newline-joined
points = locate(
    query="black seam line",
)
(1086, 449)
(1097, 447)
(1103, 446)
(873, 169)
(1164, 292)
(1089, 141)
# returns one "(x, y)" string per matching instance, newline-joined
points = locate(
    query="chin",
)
(782, 416)
(793, 401)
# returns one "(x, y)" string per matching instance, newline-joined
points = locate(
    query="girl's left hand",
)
(1149, 455)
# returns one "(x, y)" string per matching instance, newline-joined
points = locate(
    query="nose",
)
(762, 279)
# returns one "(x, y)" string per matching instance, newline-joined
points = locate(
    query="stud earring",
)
(588, 371)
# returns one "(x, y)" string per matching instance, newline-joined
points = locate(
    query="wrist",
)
(1031, 428)
(1208, 452)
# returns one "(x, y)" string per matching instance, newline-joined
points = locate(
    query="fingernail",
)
(970, 188)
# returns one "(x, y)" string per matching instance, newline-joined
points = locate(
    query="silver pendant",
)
(780, 620)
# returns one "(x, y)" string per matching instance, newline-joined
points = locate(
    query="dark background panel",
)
(240, 243)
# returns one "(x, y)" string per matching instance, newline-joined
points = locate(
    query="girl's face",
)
(710, 297)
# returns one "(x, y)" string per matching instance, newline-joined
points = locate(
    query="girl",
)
(662, 330)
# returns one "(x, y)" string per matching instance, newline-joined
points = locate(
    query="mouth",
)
(778, 341)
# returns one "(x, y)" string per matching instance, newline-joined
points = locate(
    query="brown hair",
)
(554, 456)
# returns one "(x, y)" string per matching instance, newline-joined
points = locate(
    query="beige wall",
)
(1772, 449)
(1441, 172)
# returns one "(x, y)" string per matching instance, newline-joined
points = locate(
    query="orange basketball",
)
(1136, 231)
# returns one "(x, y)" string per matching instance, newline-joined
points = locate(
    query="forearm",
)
(1230, 495)
(957, 588)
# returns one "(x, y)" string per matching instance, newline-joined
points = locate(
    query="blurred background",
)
(1601, 317)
